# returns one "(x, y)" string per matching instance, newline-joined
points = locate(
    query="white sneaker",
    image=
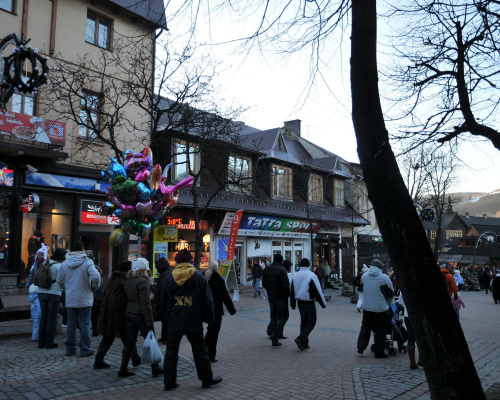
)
(64, 326)
(264, 297)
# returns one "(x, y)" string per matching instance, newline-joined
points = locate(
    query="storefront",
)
(261, 237)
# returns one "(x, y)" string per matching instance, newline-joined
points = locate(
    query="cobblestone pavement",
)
(250, 366)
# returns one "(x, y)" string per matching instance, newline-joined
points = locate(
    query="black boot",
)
(136, 358)
(156, 370)
(124, 372)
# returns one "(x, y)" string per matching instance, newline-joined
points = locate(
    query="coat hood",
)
(182, 272)
(374, 271)
(76, 259)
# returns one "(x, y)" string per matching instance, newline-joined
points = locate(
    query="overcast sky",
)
(273, 88)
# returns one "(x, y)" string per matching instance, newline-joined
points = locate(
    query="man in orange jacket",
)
(449, 280)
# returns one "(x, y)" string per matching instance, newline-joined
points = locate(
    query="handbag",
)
(151, 353)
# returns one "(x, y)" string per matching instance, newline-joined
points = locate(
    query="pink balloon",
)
(144, 207)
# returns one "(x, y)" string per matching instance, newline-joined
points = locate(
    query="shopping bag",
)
(151, 353)
(236, 296)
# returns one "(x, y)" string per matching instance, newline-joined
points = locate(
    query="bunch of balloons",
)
(138, 195)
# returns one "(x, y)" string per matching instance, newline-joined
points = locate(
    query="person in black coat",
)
(275, 281)
(163, 268)
(220, 296)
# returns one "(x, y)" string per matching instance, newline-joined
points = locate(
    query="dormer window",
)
(186, 160)
(239, 173)
(281, 182)
(338, 193)
(315, 188)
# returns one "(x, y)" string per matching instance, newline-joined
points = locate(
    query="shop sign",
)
(191, 246)
(91, 213)
(29, 202)
(165, 233)
(68, 182)
(32, 128)
(266, 226)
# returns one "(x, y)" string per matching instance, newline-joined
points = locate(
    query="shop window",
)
(98, 30)
(90, 104)
(186, 160)
(282, 182)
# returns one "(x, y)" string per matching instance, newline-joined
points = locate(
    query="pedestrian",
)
(138, 313)
(275, 281)
(458, 279)
(287, 264)
(257, 271)
(221, 297)
(378, 292)
(79, 278)
(485, 280)
(449, 281)
(111, 323)
(411, 336)
(96, 305)
(41, 256)
(495, 287)
(321, 274)
(266, 264)
(187, 302)
(304, 291)
(359, 287)
(35, 312)
(163, 268)
(328, 271)
(457, 304)
(50, 301)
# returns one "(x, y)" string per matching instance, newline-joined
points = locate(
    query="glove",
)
(456, 297)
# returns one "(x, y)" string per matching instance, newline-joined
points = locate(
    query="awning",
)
(462, 259)
(450, 258)
(476, 260)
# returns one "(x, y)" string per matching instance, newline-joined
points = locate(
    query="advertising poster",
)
(163, 234)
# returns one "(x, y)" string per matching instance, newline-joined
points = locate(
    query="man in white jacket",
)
(80, 279)
(306, 288)
(378, 292)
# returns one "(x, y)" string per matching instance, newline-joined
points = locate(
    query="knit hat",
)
(377, 263)
(183, 256)
(305, 262)
(140, 264)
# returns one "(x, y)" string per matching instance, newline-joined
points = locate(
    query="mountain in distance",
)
(477, 204)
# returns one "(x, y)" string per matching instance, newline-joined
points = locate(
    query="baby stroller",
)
(396, 333)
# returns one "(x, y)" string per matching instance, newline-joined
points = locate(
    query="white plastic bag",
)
(151, 353)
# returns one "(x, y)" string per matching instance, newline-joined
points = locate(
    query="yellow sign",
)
(166, 233)
(224, 268)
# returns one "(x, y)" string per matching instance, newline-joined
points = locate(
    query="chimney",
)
(485, 216)
(293, 125)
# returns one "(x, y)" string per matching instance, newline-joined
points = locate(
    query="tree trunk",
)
(449, 368)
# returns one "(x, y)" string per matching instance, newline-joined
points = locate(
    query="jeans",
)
(308, 319)
(256, 287)
(457, 311)
(49, 303)
(82, 316)
(212, 337)
(376, 322)
(200, 356)
(322, 283)
(279, 316)
(135, 324)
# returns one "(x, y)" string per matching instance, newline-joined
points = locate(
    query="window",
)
(90, 104)
(23, 103)
(339, 193)
(315, 192)
(282, 182)
(98, 30)
(239, 172)
(7, 5)
(186, 158)
(454, 233)
(433, 234)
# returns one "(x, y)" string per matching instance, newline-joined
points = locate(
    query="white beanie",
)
(140, 264)
(44, 250)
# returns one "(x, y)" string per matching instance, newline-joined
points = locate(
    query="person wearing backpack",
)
(50, 300)
(41, 256)
(449, 281)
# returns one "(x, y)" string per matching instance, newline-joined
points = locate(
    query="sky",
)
(273, 88)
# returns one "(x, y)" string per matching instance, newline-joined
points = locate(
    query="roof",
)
(152, 11)
(485, 221)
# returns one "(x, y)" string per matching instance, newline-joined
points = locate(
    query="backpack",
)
(43, 276)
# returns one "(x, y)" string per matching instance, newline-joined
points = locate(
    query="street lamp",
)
(490, 236)
(25, 70)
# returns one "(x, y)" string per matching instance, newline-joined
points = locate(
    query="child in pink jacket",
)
(457, 304)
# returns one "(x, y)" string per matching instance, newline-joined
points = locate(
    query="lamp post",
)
(491, 237)
(25, 70)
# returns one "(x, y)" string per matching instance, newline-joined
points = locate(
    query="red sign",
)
(91, 214)
(235, 226)
(29, 202)
(32, 128)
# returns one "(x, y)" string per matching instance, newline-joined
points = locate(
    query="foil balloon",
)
(142, 175)
(156, 209)
(172, 200)
(114, 170)
(144, 207)
(147, 152)
(108, 208)
(154, 224)
(160, 215)
(154, 177)
(143, 229)
(168, 190)
(116, 237)
(129, 226)
(143, 191)
(134, 164)
(126, 186)
(128, 209)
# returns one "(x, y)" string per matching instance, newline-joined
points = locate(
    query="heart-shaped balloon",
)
(128, 209)
(144, 207)
(116, 237)
(129, 226)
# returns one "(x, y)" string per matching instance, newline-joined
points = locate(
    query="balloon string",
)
(139, 251)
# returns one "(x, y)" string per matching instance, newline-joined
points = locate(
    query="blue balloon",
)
(144, 191)
(114, 170)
